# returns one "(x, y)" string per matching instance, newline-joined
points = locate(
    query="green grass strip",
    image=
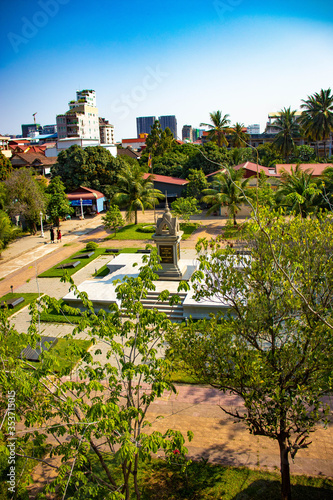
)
(28, 298)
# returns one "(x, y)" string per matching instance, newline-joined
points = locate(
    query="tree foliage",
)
(135, 192)
(185, 207)
(7, 230)
(273, 346)
(25, 197)
(58, 205)
(93, 167)
(113, 218)
(96, 420)
(219, 128)
(288, 130)
(317, 116)
(228, 189)
(5, 167)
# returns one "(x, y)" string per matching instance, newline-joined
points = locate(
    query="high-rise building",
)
(187, 133)
(81, 120)
(170, 122)
(29, 128)
(106, 131)
(197, 133)
(144, 124)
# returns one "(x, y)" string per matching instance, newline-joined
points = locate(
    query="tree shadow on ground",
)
(263, 489)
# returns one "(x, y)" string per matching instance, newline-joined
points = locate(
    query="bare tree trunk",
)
(285, 471)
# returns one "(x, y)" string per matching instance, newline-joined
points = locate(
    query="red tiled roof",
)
(166, 179)
(141, 139)
(249, 166)
(31, 158)
(316, 169)
(85, 193)
(252, 167)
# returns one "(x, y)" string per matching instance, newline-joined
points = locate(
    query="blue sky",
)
(244, 57)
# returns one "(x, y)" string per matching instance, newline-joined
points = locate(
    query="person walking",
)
(59, 236)
(52, 235)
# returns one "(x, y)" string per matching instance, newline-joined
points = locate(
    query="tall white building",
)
(81, 120)
(106, 132)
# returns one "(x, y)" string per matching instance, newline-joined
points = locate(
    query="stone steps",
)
(174, 312)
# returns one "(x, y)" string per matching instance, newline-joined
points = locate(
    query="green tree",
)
(317, 117)
(238, 137)
(25, 197)
(229, 189)
(5, 167)
(240, 155)
(219, 129)
(185, 207)
(159, 141)
(267, 155)
(135, 192)
(113, 218)
(273, 348)
(299, 192)
(58, 205)
(96, 419)
(93, 167)
(327, 188)
(7, 230)
(288, 129)
(197, 183)
(302, 154)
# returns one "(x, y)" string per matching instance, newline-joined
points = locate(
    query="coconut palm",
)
(135, 191)
(229, 189)
(298, 192)
(288, 129)
(239, 137)
(317, 117)
(219, 129)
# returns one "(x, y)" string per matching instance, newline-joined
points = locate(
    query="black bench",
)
(11, 303)
(69, 265)
(112, 250)
(143, 251)
(84, 255)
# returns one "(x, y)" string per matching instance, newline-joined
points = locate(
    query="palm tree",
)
(239, 138)
(288, 128)
(317, 117)
(135, 191)
(228, 188)
(219, 129)
(298, 192)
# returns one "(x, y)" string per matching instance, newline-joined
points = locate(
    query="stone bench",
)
(84, 255)
(11, 303)
(143, 251)
(69, 265)
(112, 250)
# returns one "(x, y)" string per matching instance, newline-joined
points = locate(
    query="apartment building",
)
(81, 120)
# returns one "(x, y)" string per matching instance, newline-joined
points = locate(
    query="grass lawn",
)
(160, 481)
(67, 314)
(188, 228)
(69, 352)
(132, 231)
(212, 482)
(28, 298)
(53, 272)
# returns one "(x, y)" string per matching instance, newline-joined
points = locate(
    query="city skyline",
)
(245, 58)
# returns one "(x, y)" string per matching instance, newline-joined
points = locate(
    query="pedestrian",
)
(59, 235)
(52, 235)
